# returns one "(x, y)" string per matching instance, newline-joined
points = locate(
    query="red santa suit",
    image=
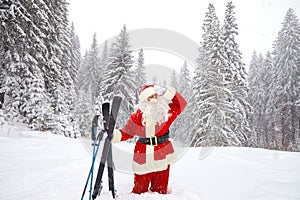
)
(151, 161)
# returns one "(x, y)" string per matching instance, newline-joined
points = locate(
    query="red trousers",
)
(159, 182)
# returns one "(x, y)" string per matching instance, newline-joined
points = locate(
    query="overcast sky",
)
(258, 20)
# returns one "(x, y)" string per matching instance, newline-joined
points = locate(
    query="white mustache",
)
(153, 101)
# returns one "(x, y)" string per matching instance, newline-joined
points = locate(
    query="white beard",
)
(155, 111)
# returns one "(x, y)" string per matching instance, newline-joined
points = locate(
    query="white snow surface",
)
(43, 166)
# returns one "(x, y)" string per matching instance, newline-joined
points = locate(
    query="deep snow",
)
(43, 166)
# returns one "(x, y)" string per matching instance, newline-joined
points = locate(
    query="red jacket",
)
(134, 127)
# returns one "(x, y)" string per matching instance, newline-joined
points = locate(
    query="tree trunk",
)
(1, 99)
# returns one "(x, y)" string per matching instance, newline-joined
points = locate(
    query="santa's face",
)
(153, 99)
(154, 110)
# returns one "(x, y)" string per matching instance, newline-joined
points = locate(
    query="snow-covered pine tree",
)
(104, 56)
(21, 48)
(140, 75)
(62, 91)
(36, 105)
(10, 33)
(174, 79)
(235, 73)
(94, 70)
(75, 56)
(70, 99)
(256, 99)
(52, 68)
(83, 82)
(83, 107)
(211, 97)
(104, 64)
(72, 88)
(285, 88)
(84, 112)
(180, 127)
(84, 85)
(37, 48)
(118, 77)
(104, 61)
(267, 77)
(192, 106)
(197, 85)
(185, 81)
(36, 51)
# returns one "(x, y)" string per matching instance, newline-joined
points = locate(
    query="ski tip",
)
(117, 97)
(106, 102)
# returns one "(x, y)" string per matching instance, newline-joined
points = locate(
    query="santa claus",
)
(153, 153)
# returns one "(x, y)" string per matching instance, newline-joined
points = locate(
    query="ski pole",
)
(91, 169)
(95, 152)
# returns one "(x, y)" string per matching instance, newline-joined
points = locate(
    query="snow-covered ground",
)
(43, 166)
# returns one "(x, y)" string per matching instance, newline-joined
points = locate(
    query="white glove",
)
(161, 91)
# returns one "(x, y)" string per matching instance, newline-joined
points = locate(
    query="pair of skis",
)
(109, 121)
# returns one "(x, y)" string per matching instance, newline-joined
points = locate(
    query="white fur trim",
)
(170, 93)
(152, 165)
(147, 93)
(117, 136)
(156, 87)
(150, 128)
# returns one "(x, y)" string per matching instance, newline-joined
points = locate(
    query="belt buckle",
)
(155, 139)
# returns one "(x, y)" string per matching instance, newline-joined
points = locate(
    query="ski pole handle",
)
(95, 127)
(101, 134)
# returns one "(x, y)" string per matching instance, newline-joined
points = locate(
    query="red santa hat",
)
(147, 91)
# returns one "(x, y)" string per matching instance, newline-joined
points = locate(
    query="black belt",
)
(154, 140)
